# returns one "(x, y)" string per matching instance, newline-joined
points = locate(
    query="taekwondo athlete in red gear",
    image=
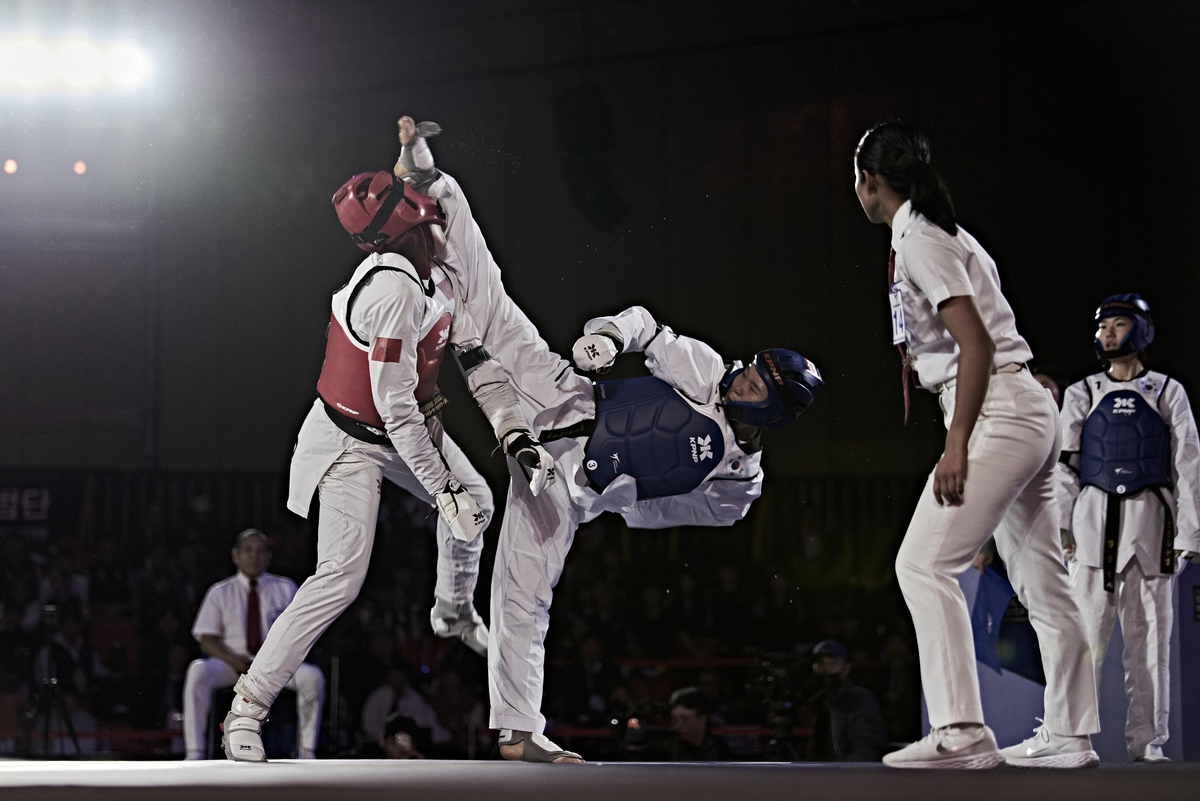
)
(375, 418)
(680, 447)
(1128, 488)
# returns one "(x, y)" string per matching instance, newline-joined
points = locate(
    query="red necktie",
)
(902, 347)
(253, 620)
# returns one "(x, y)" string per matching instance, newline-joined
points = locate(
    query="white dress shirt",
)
(933, 266)
(223, 610)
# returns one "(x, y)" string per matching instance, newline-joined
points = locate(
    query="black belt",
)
(584, 428)
(1112, 533)
(360, 431)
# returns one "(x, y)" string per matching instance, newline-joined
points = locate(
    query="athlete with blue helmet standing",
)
(681, 447)
(1129, 492)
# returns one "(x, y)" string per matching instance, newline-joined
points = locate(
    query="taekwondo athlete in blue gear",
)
(679, 448)
(1128, 489)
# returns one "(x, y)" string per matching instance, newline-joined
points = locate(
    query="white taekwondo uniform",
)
(405, 323)
(537, 532)
(1141, 595)
(1011, 457)
(223, 614)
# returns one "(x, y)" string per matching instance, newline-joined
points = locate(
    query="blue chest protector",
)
(1126, 445)
(645, 429)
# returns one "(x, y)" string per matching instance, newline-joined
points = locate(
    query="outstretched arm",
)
(687, 364)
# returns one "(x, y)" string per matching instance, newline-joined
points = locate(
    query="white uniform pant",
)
(535, 536)
(1008, 493)
(1144, 606)
(204, 676)
(349, 497)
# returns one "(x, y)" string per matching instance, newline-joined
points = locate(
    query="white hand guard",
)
(534, 459)
(459, 509)
(595, 353)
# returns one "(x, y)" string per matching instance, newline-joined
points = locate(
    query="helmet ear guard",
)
(1133, 306)
(791, 382)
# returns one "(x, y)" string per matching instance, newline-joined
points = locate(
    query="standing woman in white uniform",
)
(956, 330)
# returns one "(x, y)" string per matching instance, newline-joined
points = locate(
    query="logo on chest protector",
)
(701, 448)
(1124, 405)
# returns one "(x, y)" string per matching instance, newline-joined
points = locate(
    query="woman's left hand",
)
(950, 475)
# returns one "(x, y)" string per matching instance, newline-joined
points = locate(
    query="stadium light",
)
(31, 64)
(10, 166)
(80, 167)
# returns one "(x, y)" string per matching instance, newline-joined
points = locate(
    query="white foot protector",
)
(241, 733)
(1047, 750)
(969, 747)
(538, 747)
(462, 622)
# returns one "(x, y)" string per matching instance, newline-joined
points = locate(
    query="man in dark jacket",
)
(689, 719)
(847, 724)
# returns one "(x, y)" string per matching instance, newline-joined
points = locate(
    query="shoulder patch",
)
(386, 350)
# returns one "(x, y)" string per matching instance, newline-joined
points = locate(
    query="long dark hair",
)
(899, 154)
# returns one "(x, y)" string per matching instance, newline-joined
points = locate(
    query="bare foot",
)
(408, 130)
(517, 750)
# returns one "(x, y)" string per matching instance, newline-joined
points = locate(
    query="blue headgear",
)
(1132, 306)
(791, 382)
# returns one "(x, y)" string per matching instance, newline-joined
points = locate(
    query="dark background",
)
(167, 309)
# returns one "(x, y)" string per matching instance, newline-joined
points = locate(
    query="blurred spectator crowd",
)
(640, 620)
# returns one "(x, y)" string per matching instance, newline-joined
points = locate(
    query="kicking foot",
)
(524, 746)
(462, 622)
(966, 747)
(241, 733)
(1047, 750)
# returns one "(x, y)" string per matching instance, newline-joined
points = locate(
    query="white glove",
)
(534, 459)
(595, 353)
(459, 509)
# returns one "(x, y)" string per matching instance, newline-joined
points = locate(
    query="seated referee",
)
(230, 627)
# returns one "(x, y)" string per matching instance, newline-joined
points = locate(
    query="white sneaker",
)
(962, 747)
(1047, 750)
(241, 733)
(1153, 753)
(463, 622)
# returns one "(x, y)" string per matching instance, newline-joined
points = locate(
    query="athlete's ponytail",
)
(899, 154)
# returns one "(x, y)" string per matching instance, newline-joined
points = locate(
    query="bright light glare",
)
(80, 64)
(29, 63)
(10, 166)
(80, 168)
(126, 65)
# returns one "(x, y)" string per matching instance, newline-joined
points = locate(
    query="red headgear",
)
(377, 209)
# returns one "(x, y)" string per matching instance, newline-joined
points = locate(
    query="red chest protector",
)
(345, 382)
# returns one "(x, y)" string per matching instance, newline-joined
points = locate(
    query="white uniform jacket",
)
(541, 377)
(393, 313)
(695, 371)
(1082, 511)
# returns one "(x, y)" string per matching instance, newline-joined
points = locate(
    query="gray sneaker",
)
(961, 747)
(1047, 750)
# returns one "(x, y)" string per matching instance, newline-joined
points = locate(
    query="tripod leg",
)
(66, 716)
